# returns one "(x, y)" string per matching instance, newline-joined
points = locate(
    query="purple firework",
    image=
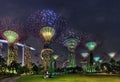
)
(40, 19)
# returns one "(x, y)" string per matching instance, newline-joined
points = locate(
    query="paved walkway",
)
(10, 79)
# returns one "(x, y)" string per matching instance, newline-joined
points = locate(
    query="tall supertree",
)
(70, 38)
(43, 23)
(12, 31)
(92, 42)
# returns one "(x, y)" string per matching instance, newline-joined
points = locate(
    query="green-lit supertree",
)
(71, 39)
(91, 46)
(12, 31)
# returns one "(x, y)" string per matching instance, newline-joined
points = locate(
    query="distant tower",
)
(27, 57)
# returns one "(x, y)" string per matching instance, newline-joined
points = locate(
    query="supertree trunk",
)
(12, 54)
(27, 58)
(71, 58)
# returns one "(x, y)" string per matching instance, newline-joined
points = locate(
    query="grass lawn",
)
(70, 78)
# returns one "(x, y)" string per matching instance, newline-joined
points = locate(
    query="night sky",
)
(99, 17)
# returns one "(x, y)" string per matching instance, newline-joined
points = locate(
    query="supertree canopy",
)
(10, 36)
(84, 54)
(47, 33)
(71, 38)
(11, 30)
(91, 45)
(41, 19)
(112, 54)
(96, 58)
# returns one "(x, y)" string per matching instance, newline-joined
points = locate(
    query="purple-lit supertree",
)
(44, 23)
(12, 31)
(70, 38)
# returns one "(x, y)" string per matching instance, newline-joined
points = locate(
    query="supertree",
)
(70, 38)
(43, 23)
(92, 42)
(12, 31)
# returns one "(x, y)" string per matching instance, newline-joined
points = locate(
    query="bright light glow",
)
(10, 36)
(85, 54)
(91, 45)
(32, 48)
(3, 41)
(19, 44)
(96, 58)
(100, 61)
(112, 54)
(47, 33)
(55, 57)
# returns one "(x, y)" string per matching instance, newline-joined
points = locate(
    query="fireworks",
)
(41, 19)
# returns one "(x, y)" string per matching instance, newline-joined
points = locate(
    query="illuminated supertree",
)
(43, 23)
(12, 31)
(46, 54)
(71, 38)
(91, 46)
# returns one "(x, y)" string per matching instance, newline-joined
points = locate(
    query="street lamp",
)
(11, 37)
(47, 34)
(91, 46)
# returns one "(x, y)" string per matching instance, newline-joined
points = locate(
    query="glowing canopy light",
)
(96, 58)
(47, 33)
(112, 54)
(11, 36)
(71, 43)
(85, 54)
(91, 45)
(55, 57)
